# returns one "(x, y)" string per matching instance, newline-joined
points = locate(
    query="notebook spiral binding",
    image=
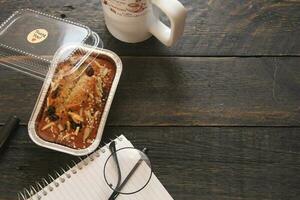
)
(46, 185)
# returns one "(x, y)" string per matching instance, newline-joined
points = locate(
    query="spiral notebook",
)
(85, 181)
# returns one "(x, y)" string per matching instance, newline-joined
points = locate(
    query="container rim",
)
(58, 147)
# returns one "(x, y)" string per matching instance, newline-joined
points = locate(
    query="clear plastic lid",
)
(30, 39)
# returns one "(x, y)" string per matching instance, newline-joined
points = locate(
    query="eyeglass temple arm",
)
(112, 148)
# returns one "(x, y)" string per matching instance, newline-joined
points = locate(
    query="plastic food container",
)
(60, 51)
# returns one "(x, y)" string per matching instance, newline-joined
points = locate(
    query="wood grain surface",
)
(192, 162)
(186, 91)
(214, 27)
(219, 111)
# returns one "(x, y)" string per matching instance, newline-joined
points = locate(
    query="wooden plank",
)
(170, 91)
(214, 27)
(192, 162)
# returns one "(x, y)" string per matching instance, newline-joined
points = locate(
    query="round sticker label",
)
(37, 36)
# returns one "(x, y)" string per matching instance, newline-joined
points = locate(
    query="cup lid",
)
(29, 40)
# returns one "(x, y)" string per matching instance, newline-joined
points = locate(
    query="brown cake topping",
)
(74, 104)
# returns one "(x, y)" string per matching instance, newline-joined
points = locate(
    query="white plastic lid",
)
(30, 39)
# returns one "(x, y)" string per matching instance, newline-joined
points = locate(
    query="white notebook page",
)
(88, 183)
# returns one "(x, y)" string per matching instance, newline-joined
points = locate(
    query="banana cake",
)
(75, 101)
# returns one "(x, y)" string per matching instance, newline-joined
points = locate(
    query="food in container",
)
(80, 79)
(73, 105)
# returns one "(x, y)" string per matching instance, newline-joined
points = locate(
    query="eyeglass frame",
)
(112, 148)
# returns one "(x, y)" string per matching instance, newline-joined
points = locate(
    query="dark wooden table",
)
(220, 110)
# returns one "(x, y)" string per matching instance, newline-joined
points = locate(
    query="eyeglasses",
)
(127, 170)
